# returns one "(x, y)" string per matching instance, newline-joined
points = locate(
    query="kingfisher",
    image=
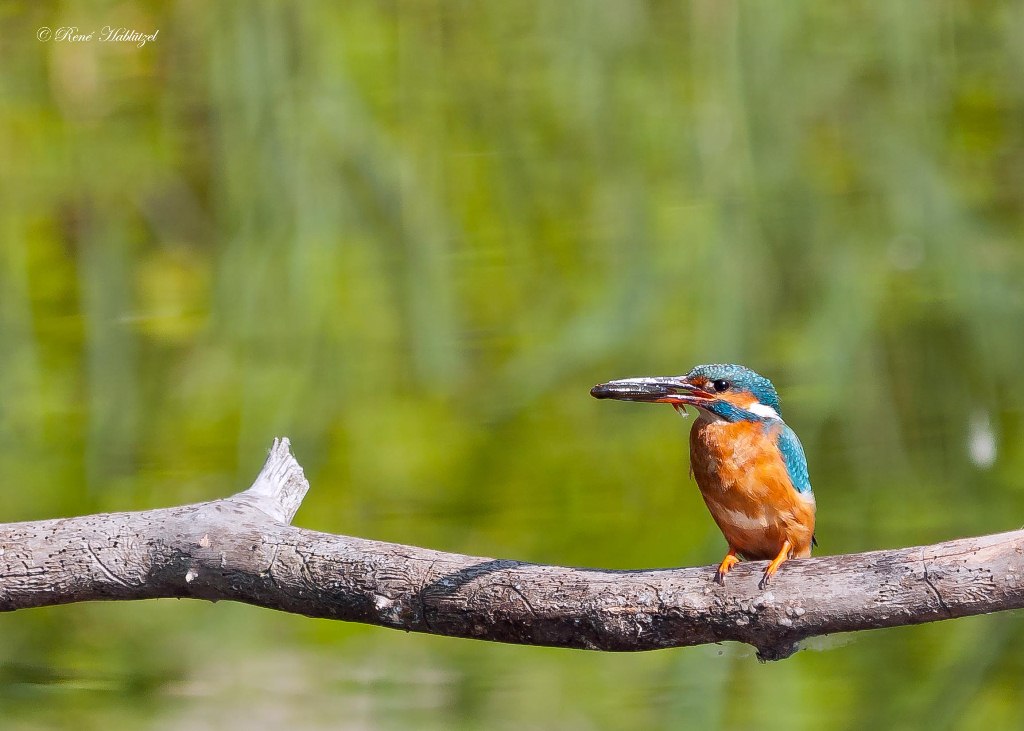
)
(749, 465)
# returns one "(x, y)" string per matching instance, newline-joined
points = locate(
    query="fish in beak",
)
(675, 390)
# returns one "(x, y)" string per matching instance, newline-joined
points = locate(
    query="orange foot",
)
(787, 549)
(730, 560)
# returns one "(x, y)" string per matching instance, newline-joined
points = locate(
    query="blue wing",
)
(793, 455)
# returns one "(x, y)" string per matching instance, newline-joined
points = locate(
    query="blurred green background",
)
(411, 235)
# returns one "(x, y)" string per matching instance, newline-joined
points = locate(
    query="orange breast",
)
(743, 479)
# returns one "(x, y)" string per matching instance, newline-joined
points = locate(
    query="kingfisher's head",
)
(719, 391)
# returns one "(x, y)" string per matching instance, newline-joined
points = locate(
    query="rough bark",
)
(242, 548)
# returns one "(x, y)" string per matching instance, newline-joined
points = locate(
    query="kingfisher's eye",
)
(720, 385)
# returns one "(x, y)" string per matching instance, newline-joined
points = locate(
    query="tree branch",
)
(242, 549)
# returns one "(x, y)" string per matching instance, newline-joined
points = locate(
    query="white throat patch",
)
(763, 410)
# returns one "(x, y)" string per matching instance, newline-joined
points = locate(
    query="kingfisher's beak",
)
(675, 390)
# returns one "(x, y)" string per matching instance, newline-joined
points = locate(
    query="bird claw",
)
(769, 572)
(728, 562)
